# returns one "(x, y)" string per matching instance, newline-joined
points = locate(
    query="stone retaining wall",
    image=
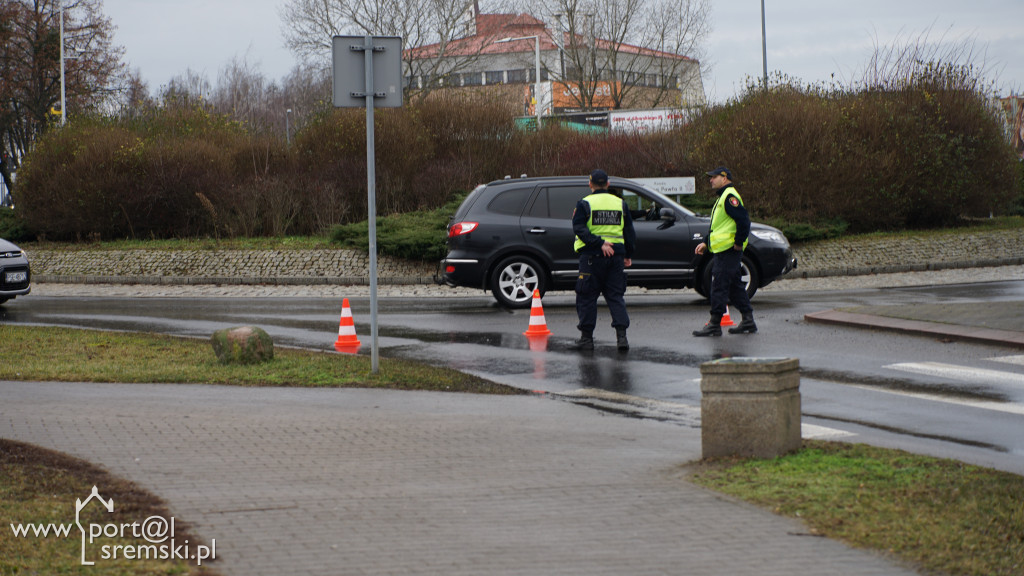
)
(223, 267)
(890, 253)
(862, 255)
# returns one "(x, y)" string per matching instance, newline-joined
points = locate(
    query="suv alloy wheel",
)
(514, 279)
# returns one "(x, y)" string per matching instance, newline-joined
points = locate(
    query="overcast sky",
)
(807, 39)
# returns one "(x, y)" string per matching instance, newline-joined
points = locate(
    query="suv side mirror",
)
(668, 214)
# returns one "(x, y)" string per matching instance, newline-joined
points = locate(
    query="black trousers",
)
(727, 284)
(601, 276)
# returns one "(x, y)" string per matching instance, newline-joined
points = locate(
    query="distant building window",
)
(495, 77)
(517, 76)
(472, 79)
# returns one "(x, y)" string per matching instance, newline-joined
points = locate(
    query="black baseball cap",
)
(599, 177)
(720, 171)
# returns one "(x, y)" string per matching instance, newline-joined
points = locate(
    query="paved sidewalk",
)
(311, 481)
(989, 323)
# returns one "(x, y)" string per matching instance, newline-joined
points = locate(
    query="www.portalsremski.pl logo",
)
(156, 531)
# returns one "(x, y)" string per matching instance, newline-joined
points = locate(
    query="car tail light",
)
(449, 269)
(462, 228)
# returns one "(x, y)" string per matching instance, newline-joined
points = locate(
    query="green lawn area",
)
(69, 355)
(944, 516)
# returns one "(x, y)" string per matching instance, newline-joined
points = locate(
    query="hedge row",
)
(920, 156)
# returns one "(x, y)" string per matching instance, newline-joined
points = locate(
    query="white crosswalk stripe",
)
(815, 432)
(1008, 407)
(970, 375)
(962, 373)
(1009, 359)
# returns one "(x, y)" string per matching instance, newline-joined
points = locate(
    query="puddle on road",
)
(556, 345)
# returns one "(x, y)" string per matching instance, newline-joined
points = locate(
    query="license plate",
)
(15, 277)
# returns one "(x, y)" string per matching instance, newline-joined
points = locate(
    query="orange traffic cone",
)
(538, 326)
(347, 340)
(726, 320)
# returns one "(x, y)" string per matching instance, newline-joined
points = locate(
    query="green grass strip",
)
(942, 515)
(70, 355)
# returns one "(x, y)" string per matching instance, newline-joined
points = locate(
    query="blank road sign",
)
(349, 67)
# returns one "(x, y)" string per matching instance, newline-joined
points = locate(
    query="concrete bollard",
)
(750, 407)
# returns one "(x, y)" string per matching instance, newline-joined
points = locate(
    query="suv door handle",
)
(536, 230)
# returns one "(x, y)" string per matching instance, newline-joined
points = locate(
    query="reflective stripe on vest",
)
(723, 227)
(606, 218)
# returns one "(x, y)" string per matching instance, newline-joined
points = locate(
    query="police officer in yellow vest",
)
(730, 226)
(605, 240)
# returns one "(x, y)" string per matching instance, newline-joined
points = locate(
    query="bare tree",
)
(305, 91)
(242, 92)
(30, 69)
(189, 88)
(620, 46)
(439, 36)
(133, 99)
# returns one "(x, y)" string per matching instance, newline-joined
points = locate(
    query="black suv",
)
(515, 235)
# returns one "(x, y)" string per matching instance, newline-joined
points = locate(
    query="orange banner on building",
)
(568, 96)
(561, 97)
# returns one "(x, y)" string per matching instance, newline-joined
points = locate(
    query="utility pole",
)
(63, 105)
(764, 48)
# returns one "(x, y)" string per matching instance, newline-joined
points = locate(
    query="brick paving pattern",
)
(300, 481)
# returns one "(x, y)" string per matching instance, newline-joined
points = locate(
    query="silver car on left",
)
(15, 273)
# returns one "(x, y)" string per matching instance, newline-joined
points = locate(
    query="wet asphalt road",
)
(859, 385)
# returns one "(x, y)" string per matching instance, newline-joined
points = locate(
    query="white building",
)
(502, 49)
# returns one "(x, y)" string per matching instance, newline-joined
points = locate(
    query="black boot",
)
(712, 328)
(746, 326)
(585, 342)
(620, 339)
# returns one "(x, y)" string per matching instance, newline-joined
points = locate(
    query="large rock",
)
(242, 345)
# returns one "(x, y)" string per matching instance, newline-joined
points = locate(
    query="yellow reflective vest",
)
(606, 219)
(723, 227)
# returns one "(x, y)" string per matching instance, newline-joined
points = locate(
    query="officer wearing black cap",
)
(730, 226)
(605, 240)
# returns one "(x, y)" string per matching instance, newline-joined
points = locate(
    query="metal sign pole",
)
(346, 94)
(371, 201)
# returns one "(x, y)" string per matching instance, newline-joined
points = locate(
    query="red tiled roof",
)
(498, 24)
(492, 27)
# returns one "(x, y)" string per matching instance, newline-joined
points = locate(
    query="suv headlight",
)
(773, 236)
